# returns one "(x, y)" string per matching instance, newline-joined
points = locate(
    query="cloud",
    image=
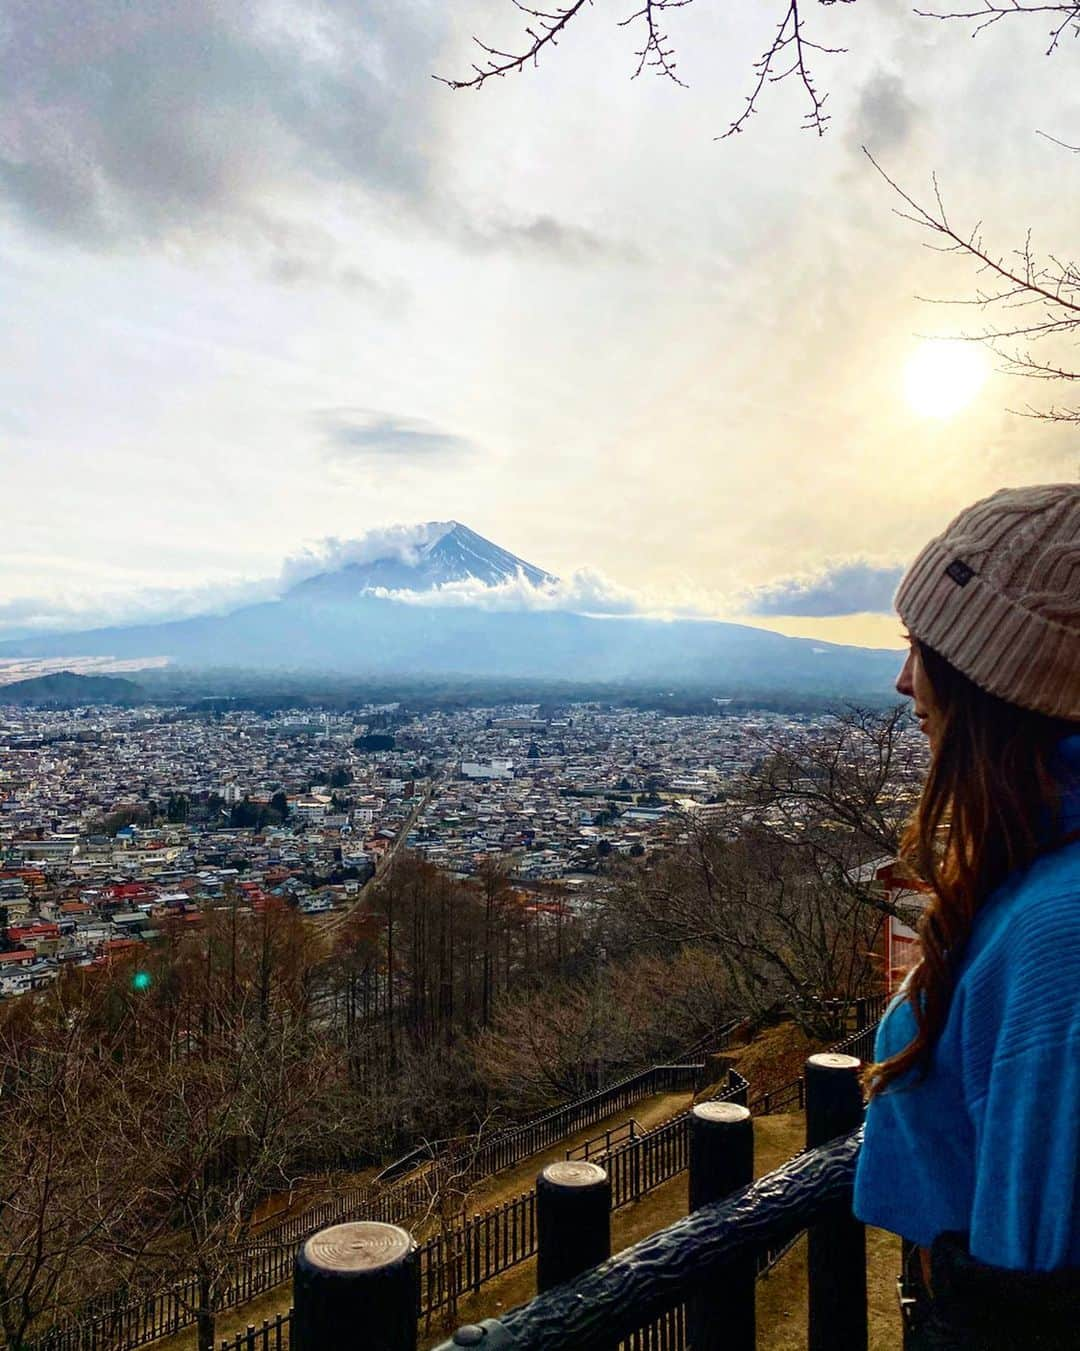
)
(401, 542)
(178, 123)
(547, 237)
(884, 116)
(68, 609)
(295, 268)
(173, 119)
(847, 588)
(360, 434)
(584, 591)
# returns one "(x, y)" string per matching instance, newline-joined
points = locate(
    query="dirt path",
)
(648, 1113)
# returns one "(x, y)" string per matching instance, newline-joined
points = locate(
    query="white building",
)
(494, 769)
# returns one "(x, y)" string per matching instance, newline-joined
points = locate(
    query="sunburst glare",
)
(943, 375)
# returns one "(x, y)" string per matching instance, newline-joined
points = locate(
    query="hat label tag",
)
(960, 572)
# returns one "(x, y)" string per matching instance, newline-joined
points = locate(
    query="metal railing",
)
(601, 1144)
(515, 1142)
(692, 1285)
(689, 1286)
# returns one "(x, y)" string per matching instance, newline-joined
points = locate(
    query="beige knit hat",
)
(997, 594)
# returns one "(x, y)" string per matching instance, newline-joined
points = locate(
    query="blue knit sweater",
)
(988, 1143)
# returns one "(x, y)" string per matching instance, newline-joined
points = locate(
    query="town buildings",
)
(114, 821)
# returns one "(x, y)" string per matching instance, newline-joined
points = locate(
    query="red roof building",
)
(20, 957)
(39, 931)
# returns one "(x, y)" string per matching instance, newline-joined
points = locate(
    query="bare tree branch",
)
(990, 12)
(1064, 144)
(657, 53)
(544, 30)
(790, 42)
(786, 57)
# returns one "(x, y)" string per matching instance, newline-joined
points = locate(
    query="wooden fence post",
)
(573, 1221)
(356, 1284)
(721, 1162)
(836, 1248)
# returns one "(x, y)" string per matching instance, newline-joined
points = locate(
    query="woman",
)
(972, 1143)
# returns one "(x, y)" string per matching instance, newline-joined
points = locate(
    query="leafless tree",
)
(557, 1042)
(64, 1186)
(788, 940)
(1064, 15)
(224, 1090)
(779, 879)
(540, 1047)
(786, 57)
(853, 779)
(450, 1177)
(215, 1135)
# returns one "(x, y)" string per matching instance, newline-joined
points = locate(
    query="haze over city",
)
(268, 284)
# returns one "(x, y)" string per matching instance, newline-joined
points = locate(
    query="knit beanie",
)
(997, 594)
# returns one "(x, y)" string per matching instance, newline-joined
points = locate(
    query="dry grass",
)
(774, 1058)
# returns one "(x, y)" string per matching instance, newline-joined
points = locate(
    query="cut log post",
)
(356, 1288)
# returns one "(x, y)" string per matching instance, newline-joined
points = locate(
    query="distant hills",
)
(66, 689)
(342, 621)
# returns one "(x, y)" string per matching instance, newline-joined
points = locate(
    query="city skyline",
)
(268, 283)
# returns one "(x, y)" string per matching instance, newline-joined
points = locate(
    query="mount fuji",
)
(360, 609)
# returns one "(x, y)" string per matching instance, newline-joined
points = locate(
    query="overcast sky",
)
(264, 281)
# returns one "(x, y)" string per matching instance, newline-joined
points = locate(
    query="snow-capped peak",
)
(410, 558)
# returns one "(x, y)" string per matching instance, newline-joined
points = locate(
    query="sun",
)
(943, 375)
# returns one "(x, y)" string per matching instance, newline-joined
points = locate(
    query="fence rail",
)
(600, 1144)
(646, 1300)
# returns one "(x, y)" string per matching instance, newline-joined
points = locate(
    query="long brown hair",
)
(990, 805)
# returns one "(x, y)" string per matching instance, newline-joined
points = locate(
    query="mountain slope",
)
(368, 635)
